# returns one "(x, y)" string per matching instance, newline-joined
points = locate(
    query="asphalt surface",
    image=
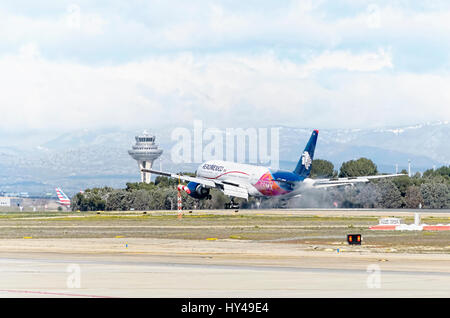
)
(218, 272)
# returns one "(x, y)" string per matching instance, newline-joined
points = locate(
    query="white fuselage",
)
(244, 175)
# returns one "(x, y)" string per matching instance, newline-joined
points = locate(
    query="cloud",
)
(352, 62)
(232, 63)
(332, 89)
(94, 32)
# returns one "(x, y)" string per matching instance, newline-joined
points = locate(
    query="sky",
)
(69, 65)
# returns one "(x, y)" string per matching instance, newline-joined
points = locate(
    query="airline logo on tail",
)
(303, 168)
(306, 160)
(63, 199)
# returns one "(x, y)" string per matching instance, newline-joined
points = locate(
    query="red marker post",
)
(179, 206)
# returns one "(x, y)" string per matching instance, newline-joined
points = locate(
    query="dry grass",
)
(307, 230)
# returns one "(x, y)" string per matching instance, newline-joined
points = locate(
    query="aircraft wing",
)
(228, 188)
(334, 182)
(205, 182)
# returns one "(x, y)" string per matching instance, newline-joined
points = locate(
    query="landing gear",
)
(232, 205)
(258, 202)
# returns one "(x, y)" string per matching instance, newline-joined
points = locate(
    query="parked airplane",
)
(244, 180)
(63, 199)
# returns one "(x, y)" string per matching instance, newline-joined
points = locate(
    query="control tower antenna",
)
(145, 152)
(409, 168)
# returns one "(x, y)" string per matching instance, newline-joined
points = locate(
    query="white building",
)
(5, 201)
(145, 152)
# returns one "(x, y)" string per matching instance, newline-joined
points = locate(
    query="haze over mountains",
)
(88, 158)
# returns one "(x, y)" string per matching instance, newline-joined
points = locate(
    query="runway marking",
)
(51, 293)
(234, 267)
(185, 226)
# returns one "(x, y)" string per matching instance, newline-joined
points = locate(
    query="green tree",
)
(117, 201)
(219, 199)
(443, 171)
(435, 195)
(390, 196)
(171, 195)
(432, 190)
(142, 200)
(157, 200)
(132, 186)
(413, 197)
(165, 182)
(322, 168)
(356, 168)
(402, 183)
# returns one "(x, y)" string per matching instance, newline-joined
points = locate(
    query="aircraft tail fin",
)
(62, 197)
(304, 165)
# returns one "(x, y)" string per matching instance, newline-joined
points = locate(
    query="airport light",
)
(354, 239)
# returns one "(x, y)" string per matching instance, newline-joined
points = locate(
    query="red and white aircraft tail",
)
(63, 199)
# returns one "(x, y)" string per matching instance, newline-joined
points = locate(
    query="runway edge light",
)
(354, 239)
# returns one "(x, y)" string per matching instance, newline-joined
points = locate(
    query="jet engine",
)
(196, 190)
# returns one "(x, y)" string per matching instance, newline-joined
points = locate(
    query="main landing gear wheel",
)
(232, 205)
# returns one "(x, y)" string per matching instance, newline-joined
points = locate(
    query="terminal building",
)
(145, 152)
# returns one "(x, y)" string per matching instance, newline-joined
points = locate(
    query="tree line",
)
(428, 190)
(159, 195)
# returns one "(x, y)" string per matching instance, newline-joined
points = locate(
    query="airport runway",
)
(164, 268)
(308, 212)
(128, 254)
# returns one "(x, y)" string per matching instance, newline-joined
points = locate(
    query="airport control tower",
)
(145, 151)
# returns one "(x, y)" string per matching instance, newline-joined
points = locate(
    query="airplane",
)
(63, 199)
(238, 180)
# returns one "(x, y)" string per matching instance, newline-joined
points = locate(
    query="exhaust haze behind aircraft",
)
(244, 180)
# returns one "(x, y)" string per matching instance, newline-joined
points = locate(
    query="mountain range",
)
(89, 158)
